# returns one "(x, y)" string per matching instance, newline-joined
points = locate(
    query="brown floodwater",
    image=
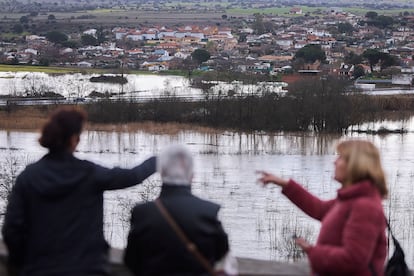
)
(260, 221)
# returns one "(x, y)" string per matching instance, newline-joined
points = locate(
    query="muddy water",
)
(260, 221)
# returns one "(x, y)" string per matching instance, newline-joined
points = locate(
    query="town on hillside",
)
(330, 41)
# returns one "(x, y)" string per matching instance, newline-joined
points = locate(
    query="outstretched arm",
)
(117, 178)
(309, 203)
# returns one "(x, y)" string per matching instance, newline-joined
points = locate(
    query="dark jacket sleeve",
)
(222, 242)
(117, 178)
(14, 228)
(131, 253)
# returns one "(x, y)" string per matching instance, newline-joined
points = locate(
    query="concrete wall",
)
(246, 266)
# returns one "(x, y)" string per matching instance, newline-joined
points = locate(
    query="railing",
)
(246, 266)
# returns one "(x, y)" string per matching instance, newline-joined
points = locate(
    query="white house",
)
(150, 34)
(135, 36)
(120, 33)
(66, 51)
(284, 43)
(84, 64)
(34, 37)
(181, 55)
(157, 67)
(91, 32)
(31, 51)
(163, 33)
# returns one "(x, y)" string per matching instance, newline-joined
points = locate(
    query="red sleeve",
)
(307, 202)
(360, 235)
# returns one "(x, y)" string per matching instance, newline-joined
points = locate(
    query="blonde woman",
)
(352, 236)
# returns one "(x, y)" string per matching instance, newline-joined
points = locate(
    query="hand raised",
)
(268, 178)
(302, 243)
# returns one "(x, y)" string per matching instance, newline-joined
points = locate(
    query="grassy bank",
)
(72, 70)
(42, 69)
(32, 118)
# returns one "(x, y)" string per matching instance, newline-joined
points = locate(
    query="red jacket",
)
(352, 236)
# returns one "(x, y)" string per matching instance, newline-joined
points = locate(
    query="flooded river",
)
(260, 221)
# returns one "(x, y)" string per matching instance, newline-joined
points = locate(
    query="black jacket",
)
(153, 246)
(54, 219)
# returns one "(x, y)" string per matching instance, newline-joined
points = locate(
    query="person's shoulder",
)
(370, 206)
(89, 166)
(142, 208)
(206, 204)
(86, 163)
(32, 168)
(367, 202)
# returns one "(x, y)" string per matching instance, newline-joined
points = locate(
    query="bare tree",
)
(147, 191)
(9, 170)
(286, 244)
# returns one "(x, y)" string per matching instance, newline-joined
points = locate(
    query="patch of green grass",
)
(103, 11)
(139, 72)
(279, 11)
(283, 11)
(204, 4)
(362, 11)
(48, 70)
(182, 73)
(64, 70)
(13, 35)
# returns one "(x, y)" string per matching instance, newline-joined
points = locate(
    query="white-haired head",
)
(175, 165)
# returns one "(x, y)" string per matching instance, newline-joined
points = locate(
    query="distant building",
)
(91, 32)
(296, 10)
(84, 64)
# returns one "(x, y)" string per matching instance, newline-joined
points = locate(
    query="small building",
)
(296, 10)
(84, 64)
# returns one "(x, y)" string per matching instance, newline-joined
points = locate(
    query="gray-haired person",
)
(153, 246)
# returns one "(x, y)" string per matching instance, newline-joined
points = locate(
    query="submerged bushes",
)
(320, 105)
(311, 105)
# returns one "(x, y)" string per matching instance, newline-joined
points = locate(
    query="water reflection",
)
(78, 85)
(260, 222)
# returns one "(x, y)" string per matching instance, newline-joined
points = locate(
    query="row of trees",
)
(373, 57)
(58, 37)
(312, 52)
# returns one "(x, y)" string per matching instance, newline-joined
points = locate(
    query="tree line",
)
(319, 105)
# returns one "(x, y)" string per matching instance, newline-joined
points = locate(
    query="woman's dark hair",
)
(61, 126)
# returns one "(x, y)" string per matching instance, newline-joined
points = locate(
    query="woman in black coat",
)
(54, 219)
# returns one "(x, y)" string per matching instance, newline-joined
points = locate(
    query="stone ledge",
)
(247, 267)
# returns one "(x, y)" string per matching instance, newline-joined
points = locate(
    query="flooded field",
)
(137, 86)
(260, 222)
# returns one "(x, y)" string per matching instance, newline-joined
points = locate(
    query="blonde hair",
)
(363, 163)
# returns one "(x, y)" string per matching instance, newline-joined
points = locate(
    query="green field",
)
(65, 70)
(362, 11)
(241, 11)
(50, 69)
(284, 11)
